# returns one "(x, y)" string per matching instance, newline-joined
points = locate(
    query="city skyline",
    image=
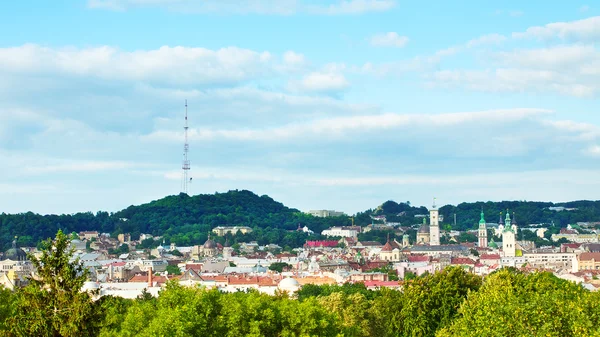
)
(319, 104)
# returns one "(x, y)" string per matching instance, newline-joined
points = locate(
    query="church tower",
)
(434, 226)
(405, 240)
(227, 250)
(483, 242)
(509, 238)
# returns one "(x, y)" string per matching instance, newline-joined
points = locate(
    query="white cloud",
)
(560, 57)
(390, 39)
(512, 80)
(294, 59)
(262, 7)
(353, 7)
(325, 82)
(168, 64)
(564, 69)
(341, 127)
(587, 30)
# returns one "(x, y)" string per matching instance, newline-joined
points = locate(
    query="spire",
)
(482, 221)
(434, 202)
(507, 220)
(14, 243)
(501, 221)
(514, 219)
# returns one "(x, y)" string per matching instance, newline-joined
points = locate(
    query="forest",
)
(453, 302)
(187, 220)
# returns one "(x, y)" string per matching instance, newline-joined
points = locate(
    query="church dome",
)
(210, 244)
(424, 229)
(15, 254)
(289, 284)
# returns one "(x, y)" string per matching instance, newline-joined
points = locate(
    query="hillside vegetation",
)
(187, 220)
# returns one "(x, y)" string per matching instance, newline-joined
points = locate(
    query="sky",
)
(329, 104)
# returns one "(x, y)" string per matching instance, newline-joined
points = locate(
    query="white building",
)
(345, 232)
(324, 213)
(509, 233)
(434, 226)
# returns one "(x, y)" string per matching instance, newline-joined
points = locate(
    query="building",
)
(588, 261)
(223, 230)
(124, 238)
(509, 233)
(208, 249)
(88, 235)
(390, 252)
(423, 234)
(434, 226)
(323, 213)
(343, 231)
(482, 233)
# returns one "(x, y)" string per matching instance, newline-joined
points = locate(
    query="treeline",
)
(181, 219)
(450, 303)
(187, 220)
(468, 214)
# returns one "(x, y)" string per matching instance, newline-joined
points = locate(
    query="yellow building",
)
(222, 230)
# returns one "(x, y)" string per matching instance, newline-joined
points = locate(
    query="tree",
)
(279, 266)
(173, 270)
(7, 302)
(537, 304)
(431, 301)
(52, 303)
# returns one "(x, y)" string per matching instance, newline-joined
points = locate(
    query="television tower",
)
(186, 162)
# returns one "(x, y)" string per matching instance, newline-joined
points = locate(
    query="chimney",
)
(150, 277)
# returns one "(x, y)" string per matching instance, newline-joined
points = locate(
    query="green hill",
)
(468, 214)
(182, 219)
(187, 220)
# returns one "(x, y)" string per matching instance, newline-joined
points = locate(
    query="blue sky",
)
(320, 104)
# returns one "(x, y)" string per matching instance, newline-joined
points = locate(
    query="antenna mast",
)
(186, 162)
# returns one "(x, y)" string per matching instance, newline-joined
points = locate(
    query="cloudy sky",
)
(321, 104)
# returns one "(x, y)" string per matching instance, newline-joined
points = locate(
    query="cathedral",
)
(430, 234)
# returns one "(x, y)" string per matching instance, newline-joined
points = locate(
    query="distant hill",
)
(182, 219)
(187, 220)
(468, 214)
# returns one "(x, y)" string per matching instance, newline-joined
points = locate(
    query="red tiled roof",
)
(418, 258)
(589, 256)
(322, 243)
(489, 257)
(462, 260)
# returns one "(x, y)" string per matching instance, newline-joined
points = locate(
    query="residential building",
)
(223, 230)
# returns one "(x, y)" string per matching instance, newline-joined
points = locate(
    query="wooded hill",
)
(468, 214)
(183, 219)
(187, 220)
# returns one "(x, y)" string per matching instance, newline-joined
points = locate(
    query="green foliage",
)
(181, 219)
(173, 270)
(7, 304)
(52, 303)
(449, 303)
(518, 304)
(279, 266)
(432, 301)
(311, 290)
